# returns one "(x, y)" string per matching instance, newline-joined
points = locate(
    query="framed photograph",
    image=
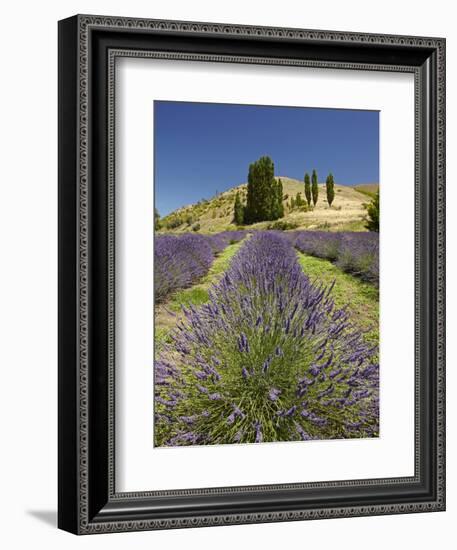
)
(251, 274)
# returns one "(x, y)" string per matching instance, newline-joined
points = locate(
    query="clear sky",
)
(202, 148)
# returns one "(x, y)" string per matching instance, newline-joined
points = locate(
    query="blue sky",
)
(202, 148)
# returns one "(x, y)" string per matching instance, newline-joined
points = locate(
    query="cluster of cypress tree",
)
(264, 195)
(312, 188)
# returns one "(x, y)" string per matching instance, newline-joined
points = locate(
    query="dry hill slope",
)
(369, 189)
(216, 214)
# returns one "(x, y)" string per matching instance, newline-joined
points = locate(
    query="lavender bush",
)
(180, 260)
(268, 358)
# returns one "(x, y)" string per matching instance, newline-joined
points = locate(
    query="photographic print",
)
(266, 274)
(220, 291)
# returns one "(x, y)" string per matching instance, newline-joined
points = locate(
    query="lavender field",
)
(275, 348)
(181, 261)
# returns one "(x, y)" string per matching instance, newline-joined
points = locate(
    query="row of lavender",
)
(355, 253)
(268, 358)
(182, 260)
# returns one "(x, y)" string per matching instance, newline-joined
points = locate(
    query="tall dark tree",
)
(277, 208)
(261, 192)
(273, 208)
(330, 188)
(238, 215)
(308, 189)
(314, 187)
(373, 214)
(157, 222)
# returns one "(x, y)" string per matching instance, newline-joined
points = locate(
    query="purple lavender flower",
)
(315, 370)
(237, 437)
(258, 432)
(266, 365)
(291, 411)
(243, 344)
(334, 372)
(188, 419)
(328, 391)
(273, 394)
(214, 396)
(353, 425)
(237, 413)
(305, 436)
(170, 403)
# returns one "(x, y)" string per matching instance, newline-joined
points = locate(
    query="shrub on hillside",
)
(173, 222)
(282, 225)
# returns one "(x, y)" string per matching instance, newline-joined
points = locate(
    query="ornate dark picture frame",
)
(88, 47)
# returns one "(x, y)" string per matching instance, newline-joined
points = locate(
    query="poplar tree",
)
(277, 207)
(308, 189)
(330, 188)
(279, 203)
(314, 187)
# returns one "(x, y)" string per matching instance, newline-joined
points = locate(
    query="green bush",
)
(373, 214)
(189, 219)
(282, 225)
(173, 222)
